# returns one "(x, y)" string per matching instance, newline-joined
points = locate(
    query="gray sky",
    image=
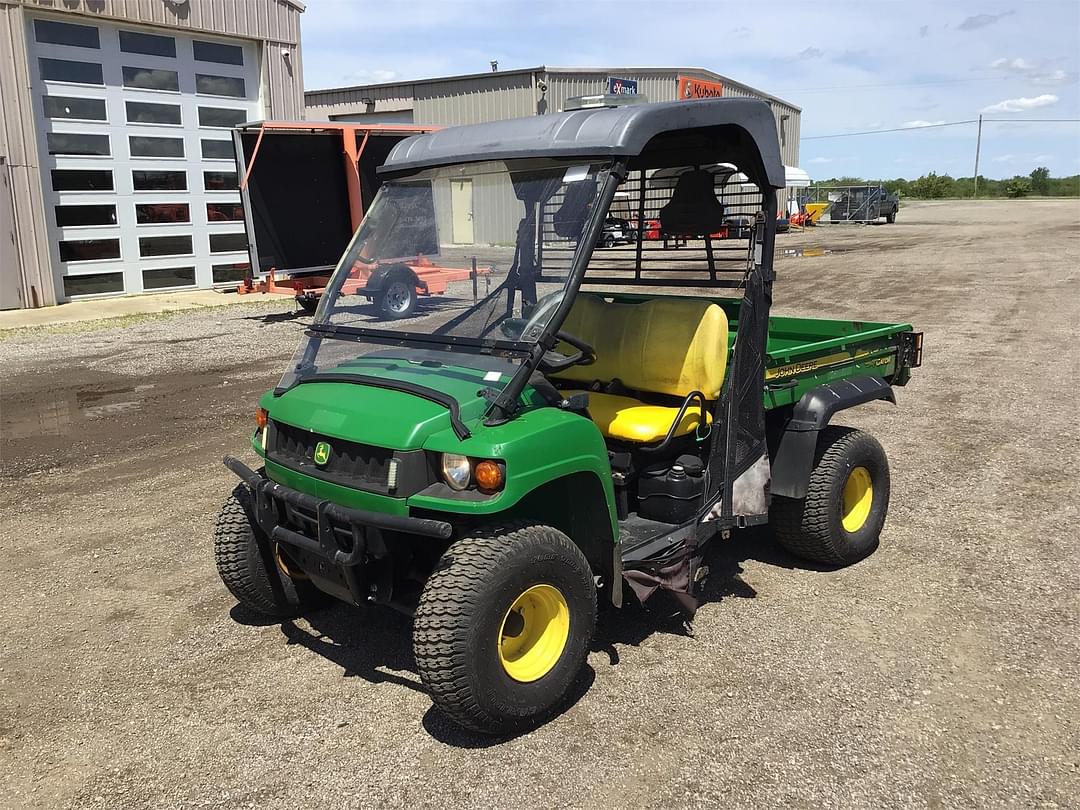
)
(875, 64)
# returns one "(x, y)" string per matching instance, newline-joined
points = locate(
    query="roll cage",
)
(672, 158)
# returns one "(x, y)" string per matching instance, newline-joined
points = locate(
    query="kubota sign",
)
(699, 88)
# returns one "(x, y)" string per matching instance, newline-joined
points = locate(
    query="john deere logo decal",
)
(322, 453)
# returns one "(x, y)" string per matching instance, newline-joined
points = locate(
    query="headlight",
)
(456, 470)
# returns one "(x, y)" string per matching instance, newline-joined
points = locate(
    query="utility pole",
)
(978, 144)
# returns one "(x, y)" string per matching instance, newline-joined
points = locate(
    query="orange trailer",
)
(305, 187)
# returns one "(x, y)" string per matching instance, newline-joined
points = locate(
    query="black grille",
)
(355, 465)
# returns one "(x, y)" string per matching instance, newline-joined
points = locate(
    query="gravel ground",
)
(940, 672)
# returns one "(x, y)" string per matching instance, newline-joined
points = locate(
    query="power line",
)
(946, 124)
(895, 129)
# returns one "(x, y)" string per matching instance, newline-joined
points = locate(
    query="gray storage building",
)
(480, 97)
(116, 166)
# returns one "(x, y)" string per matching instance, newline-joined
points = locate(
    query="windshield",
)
(458, 263)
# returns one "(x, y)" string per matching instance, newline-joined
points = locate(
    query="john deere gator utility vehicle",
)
(579, 432)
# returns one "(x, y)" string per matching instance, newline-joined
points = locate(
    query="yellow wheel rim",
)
(857, 499)
(533, 633)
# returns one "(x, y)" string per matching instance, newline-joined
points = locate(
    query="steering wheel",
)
(555, 362)
(543, 311)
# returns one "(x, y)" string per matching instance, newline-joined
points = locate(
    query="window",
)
(218, 52)
(151, 44)
(231, 272)
(143, 112)
(82, 180)
(220, 181)
(66, 70)
(85, 215)
(60, 33)
(145, 146)
(151, 79)
(217, 150)
(162, 213)
(158, 181)
(84, 109)
(220, 117)
(224, 212)
(86, 250)
(226, 242)
(164, 245)
(74, 143)
(219, 85)
(93, 284)
(168, 277)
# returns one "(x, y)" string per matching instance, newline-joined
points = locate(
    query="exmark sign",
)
(621, 87)
(698, 88)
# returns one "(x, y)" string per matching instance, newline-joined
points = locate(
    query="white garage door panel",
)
(173, 214)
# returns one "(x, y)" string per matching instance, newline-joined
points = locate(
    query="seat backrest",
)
(664, 345)
(693, 209)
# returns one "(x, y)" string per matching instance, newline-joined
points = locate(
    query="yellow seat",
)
(632, 420)
(666, 346)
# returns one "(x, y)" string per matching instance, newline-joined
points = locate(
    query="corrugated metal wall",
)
(327, 105)
(18, 143)
(475, 100)
(273, 20)
(275, 23)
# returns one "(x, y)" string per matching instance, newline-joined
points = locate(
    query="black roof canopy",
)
(741, 131)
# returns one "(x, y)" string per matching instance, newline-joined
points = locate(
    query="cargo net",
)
(686, 227)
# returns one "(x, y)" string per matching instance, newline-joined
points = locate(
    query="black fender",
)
(794, 457)
(379, 280)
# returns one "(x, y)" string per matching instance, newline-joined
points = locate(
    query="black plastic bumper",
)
(341, 536)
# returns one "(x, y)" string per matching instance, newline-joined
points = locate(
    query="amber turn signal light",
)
(261, 415)
(489, 476)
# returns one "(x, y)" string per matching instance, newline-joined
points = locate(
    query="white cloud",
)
(820, 160)
(1022, 104)
(810, 53)
(1019, 64)
(375, 76)
(922, 124)
(1040, 71)
(1043, 158)
(1004, 159)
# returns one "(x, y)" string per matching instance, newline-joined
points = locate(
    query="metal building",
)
(117, 172)
(481, 97)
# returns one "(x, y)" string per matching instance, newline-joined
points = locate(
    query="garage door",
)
(137, 157)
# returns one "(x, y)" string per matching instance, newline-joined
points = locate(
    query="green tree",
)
(932, 186)
(1040, 180)
(1017, 187)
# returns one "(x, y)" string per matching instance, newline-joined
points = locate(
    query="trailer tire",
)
(503, 627)
(246, 563)
(308, 304)
(839, 521)
(398, 298)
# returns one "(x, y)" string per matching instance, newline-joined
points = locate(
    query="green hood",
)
(378, 416)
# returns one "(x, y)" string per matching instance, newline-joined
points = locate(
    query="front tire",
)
(839, 521)
(250, 565)
(890, 217)
(503, 627)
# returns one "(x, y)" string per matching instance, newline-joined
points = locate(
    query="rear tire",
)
(245, 559)
(503, 627)
(839, 521)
